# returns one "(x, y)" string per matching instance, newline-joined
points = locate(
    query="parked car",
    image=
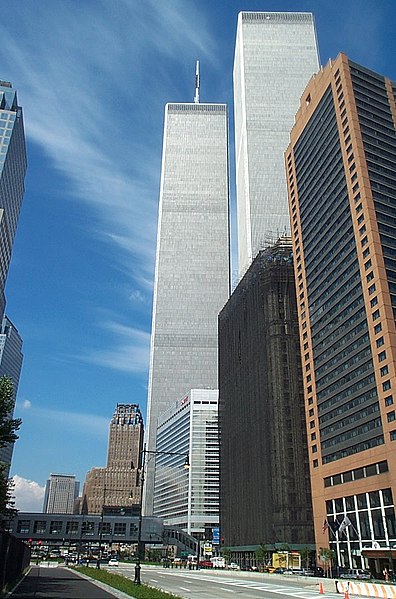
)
(233, 566)
(113, 562)
(205, 564)
(279, 571)
(356, 574)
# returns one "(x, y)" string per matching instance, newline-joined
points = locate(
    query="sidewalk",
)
(61, 583)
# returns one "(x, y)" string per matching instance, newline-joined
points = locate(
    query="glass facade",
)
(12, 176)
(372, 520)
(189, 499)
(192, 264)
(275, 56)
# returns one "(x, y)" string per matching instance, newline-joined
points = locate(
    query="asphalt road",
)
(223, 584)
(59, 583)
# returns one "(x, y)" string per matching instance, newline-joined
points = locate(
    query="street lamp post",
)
(145, 451)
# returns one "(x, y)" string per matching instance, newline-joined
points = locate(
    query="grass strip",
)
(126, 585)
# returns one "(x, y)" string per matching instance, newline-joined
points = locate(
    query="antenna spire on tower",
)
(196, 97)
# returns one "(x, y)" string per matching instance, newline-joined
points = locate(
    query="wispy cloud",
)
(90, 114)
(130, 354)
(28, 494)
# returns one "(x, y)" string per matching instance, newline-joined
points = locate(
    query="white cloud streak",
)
(129, 355)
(88, 95)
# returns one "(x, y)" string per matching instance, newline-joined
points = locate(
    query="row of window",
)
(56, 527)
(356, 474)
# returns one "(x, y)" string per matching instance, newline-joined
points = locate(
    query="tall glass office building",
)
(12, 176)
(192, 263)
(275, 56)
(189, 499)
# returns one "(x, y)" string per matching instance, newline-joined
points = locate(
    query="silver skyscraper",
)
(275, 56)
(192, 263)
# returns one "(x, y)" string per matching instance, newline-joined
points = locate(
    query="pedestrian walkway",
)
(61, 583)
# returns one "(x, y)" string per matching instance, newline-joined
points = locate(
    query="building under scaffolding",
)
(265, 485)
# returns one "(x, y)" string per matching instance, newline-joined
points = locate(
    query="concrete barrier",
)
(368, 589)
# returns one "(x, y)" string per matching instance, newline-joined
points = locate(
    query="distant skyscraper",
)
(12, 175)
(192, 264)
(275, 56)
(118, 484)
(189, 499)
(264, 473)
(60, 493)
(11, 358)
(342, 191)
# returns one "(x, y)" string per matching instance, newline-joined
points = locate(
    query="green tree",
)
(305, 553)
(226, 553)
(262, 554)
(8, 428)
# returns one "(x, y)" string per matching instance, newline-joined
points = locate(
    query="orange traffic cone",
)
(346, 594)
(321, 591)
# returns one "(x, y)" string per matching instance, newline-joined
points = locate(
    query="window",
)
(311, 412)
(71, 528)
(388, 400)
(371, 289)
(314, 448)
(378, 328)
(367, 264)
(391, 416)
(374, 302)
(88, 528)
(120, 528)
(382, 356)
(312, 424)
(105, 528)
(370, 277)
(55, 527)
(313, 436)
(384, 370)
(386, 385)
(40, 527)
(316, 463)
(392, 435)
(23, 526)
(376, 314)
(380, 342)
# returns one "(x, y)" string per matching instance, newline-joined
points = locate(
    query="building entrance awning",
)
(380, 552)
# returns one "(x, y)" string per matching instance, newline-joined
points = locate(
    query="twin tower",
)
(275, 56)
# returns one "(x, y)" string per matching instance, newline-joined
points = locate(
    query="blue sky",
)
(93, 77)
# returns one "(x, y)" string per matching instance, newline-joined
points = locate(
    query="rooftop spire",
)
(196, 97)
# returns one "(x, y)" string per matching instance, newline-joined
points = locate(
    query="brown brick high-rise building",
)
(117, 486)
(341, 172)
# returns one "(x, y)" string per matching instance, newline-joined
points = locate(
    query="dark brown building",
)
(264, 475)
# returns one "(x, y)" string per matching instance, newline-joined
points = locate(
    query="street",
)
(220, 584)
